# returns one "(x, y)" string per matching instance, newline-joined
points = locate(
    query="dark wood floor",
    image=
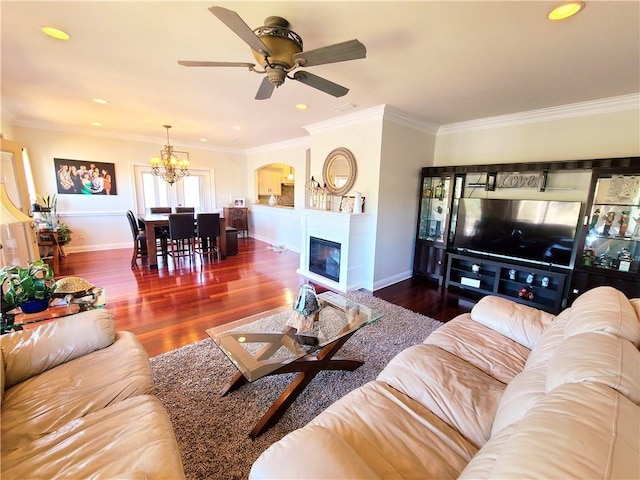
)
(174, 305)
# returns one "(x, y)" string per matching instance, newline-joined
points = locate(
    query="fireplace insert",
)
(324, 258)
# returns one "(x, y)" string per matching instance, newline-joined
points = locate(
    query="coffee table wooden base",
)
(308, 366)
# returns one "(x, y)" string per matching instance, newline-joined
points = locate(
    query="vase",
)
(357, 202)
(35, 305)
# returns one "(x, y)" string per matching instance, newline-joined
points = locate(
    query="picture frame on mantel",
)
(347, 202)
(238, 202)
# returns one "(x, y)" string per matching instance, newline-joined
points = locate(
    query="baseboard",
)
(393, 279)
(97, 248)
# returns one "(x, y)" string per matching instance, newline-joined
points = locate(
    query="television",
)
(537, 231)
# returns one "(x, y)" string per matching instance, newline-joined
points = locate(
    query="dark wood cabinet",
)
(609, 240)
(606, 250)
(237, 217)
(430, 261)
(430, 256)
(536, 287)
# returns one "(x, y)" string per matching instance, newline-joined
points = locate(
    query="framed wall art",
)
(238, 202)
(84, 177)
(347, 202)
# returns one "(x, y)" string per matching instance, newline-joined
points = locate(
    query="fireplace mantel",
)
(350, 231)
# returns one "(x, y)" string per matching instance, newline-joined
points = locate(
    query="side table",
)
(59, 307)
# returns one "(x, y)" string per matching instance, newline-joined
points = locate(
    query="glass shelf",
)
(612, 240)
(433, 209)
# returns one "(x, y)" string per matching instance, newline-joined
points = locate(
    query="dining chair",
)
(181, 235)
(207, 233)
(162, 233)
(139, 239)
(160, 210)
(185, 210)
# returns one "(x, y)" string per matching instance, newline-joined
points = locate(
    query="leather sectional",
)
(505, 391)
(77, 403)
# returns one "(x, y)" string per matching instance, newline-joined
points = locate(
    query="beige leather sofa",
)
(506, 391)
(77, 403)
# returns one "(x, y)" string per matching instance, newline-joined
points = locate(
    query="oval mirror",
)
(339, 171)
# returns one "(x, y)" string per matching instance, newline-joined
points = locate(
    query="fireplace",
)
(335, 247)
(324, 258)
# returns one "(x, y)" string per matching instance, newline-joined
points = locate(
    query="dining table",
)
(151, 221)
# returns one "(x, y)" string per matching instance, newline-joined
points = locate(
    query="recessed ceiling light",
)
(565, 10)
(203, 140)
(237, 127)
(56, 33)
(101, 101)
(301, 106)
(96, 124)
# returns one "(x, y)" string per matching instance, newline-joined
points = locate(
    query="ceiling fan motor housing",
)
(282, 42)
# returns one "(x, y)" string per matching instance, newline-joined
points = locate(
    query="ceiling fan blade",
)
(189, 63)
(320, 83)
(232, 20)
(339, 52)
(265, 90)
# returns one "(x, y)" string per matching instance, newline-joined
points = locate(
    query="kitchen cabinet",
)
(269, 182)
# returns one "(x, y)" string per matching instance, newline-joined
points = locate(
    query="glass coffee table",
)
(264, 344)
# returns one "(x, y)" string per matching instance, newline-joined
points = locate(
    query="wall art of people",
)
(84, 177)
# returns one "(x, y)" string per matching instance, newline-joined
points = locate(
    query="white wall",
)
(405, 150)
(584, 131)
(100, 219)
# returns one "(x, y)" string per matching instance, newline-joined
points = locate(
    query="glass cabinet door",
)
(613, 232)
(434, 209)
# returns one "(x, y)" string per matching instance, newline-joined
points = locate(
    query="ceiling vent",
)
(344, 107)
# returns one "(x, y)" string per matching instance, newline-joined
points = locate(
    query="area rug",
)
(212, 431)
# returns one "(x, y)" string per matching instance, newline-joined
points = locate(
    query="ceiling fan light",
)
(565, 10)
(282, 42)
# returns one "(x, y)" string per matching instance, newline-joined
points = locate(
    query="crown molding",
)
(348, 120)
(380, 112)
(573, 110)
(113, 135)
(397, 116)
(294, 142)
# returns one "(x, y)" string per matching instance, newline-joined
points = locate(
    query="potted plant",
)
(64, 233)
(46, 207)
(29, 288)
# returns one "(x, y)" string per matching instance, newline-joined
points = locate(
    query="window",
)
(193, 191)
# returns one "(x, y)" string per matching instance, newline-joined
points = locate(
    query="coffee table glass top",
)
(261, 344)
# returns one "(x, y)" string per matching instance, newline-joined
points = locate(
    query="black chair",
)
(160, 210)
(139, 239)
(181, 234)
(208, 231)
(185, 210)
(162, 233)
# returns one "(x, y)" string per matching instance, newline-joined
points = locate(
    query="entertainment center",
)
(537, 233)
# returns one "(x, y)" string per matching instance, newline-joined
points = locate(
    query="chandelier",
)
(171, 165)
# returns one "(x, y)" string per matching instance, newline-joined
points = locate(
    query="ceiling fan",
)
(279, 51)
